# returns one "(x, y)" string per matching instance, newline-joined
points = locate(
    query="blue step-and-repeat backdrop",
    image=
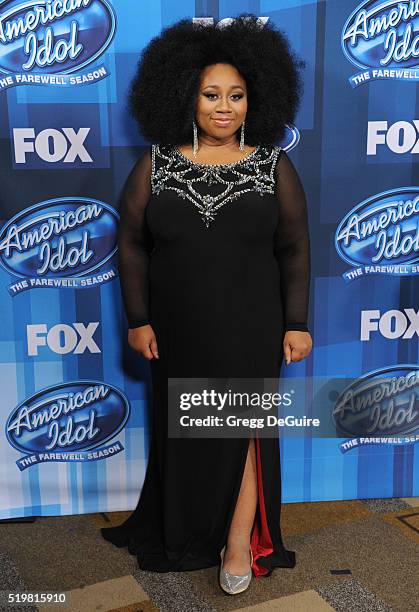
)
(75, 399)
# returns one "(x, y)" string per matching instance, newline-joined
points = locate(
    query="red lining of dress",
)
(261, 542)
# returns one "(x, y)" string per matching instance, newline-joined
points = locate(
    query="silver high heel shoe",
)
(230, 583)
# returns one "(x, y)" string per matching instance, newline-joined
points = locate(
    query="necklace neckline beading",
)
(166, 174)
(201, 165)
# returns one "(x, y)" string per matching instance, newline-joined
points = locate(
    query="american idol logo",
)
(51, 42)
(65, 242)
(381, 407)
(71, 421)
(381, 235)
(291, 137)
(382, 38)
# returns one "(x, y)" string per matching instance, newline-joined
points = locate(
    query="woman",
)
(214, 265)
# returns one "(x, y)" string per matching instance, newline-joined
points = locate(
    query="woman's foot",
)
(230, 581)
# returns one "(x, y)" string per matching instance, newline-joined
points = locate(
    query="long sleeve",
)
(292, 245)
(135, 242)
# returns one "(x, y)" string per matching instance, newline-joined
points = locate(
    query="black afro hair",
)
(163, 93)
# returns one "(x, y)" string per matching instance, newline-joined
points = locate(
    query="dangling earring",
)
(195, 138)
(241, 147)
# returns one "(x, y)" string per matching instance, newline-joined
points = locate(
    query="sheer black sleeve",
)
(292, 245)
(135, 242)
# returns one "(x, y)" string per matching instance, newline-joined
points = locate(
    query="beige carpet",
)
(351, 556)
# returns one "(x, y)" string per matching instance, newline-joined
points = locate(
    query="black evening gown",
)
(216, 258)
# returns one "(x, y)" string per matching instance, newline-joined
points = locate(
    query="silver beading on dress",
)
(172, 170)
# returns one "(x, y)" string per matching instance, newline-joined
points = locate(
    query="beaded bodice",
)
(209, 187)
(162, 257)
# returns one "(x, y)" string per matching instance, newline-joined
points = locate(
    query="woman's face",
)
(222, 101)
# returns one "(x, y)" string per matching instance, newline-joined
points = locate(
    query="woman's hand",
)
(143, 340)
(297, 345)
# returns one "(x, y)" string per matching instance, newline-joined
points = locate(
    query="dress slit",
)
(235, 497)
(260, 541)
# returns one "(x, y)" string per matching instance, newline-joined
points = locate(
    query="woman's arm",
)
(135, 243)
(292, 245)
